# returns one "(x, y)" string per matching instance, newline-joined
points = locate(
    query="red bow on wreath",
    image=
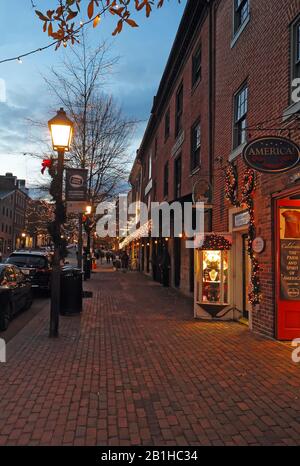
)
(47, 163)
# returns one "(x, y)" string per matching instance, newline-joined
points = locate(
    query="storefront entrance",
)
(287, 247)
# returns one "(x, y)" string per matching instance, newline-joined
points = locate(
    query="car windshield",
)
(27, 260)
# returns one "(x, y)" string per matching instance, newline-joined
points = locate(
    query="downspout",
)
(211, 90)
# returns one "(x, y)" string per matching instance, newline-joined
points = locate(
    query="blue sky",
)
(143, 54)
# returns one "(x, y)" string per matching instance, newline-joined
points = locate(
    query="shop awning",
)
(142, 232)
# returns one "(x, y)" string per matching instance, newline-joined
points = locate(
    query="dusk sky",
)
(143, 54)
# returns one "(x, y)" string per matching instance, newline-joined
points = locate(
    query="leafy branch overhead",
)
(63, 25)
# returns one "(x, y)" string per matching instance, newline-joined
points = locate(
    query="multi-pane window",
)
(177, 180)
(155, 148)
(150, 166)
(167, 124)
(195, 145)
(166, 180)
(241, 13)
(240, 116)
(196, 66)
(296, 50)
(179, 110)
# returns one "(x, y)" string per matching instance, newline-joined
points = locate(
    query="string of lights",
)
(18, 58)
(249, 186)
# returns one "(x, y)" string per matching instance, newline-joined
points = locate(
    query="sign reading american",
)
(272, 154)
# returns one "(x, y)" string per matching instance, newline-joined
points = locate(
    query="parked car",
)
(15, 293)
(36, 265)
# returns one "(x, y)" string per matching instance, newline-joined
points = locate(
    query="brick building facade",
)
(228, 81)
(13, 202)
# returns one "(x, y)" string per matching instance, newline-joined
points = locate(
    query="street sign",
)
(76, 184)
(272, 154)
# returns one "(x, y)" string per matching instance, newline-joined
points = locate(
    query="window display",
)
(214, 283)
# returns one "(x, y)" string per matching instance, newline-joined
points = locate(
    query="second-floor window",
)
(296, 50)
(240, 116)
(241, 13)
(179, 110)
(195, 145)
(167, 124)
(166, 180)
(177, 178)
(155, 148)
(150, 166)
(196, 66)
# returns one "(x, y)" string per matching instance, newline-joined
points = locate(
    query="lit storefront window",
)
(214, 283)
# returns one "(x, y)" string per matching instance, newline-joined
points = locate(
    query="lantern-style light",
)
(88, 210)
(61, 129)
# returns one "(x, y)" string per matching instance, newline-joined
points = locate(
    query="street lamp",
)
(88, 225)
(23, 235)
(61, 130)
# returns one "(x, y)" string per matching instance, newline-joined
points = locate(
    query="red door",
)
(287, 226)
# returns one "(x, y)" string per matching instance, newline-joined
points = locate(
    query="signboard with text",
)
(272, 154)
(76, 184)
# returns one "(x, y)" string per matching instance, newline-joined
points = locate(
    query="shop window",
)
(196, 67)
(241, 14)
(195, 145)
(214, 280)
(240, 116)
(179, 110)
(296, 49)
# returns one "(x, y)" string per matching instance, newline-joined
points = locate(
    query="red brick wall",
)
(260, 56)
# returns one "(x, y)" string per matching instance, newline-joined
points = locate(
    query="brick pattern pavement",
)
(136, 369)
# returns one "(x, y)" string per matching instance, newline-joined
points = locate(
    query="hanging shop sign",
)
(258, 245)
(76, 184)
(272, 154)
(202, 191)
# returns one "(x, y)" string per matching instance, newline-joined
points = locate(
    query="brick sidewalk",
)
(137, 369)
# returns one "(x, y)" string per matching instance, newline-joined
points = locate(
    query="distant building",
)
(13, 202)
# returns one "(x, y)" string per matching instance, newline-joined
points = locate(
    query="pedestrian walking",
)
(125, 261)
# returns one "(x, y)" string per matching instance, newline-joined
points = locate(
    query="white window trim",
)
(236, 35)
(237, 151)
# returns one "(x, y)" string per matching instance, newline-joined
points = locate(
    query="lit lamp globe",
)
(88, 210)
(61, 129)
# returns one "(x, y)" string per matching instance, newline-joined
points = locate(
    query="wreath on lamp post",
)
(249, 186)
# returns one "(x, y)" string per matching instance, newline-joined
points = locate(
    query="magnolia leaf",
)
(96, 21)
(132, 23)
(41, 16)
(50, 30)
(91, 9)
(72, 15)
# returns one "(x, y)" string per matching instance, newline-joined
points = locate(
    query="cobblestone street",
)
(137, 369)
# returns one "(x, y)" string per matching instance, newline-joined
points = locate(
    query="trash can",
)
(71, 292)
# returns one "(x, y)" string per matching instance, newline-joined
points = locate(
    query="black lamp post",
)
(61, 129)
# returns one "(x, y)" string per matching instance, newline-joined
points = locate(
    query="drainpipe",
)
(211, 89)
